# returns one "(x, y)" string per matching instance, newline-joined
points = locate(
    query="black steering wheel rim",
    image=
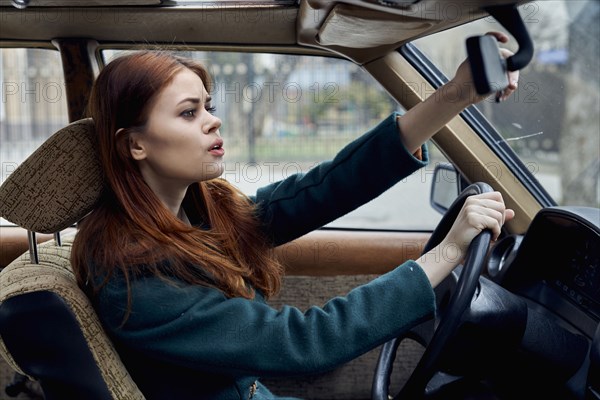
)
(449, 323)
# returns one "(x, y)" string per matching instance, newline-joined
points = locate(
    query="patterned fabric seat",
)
(48, 328)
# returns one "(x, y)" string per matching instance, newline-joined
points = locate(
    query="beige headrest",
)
(58, 184)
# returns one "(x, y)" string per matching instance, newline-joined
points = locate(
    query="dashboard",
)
(556, 264)
(555, 269)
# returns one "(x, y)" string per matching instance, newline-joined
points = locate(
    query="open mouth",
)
(217, 148)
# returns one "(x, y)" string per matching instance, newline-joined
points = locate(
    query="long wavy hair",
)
(131, 231)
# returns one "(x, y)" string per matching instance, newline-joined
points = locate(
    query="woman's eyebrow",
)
(195, 100)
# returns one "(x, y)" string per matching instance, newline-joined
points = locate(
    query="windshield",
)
(552, 122)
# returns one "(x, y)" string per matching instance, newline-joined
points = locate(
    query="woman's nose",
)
(212, 124)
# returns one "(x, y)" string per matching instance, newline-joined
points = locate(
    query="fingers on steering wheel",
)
(486, 211)
(482, 218)
(493, 222)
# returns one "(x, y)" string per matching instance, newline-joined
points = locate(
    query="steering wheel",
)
(449, 321)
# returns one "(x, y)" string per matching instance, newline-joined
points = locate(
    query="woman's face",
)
(181, 143)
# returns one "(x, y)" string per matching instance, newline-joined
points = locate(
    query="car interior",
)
(518, 320)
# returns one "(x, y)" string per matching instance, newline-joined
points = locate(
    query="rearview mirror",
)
(487, 66)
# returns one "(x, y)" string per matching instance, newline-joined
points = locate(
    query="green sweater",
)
(192, 342)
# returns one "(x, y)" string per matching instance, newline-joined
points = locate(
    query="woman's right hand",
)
(479, 212)
(463, 78)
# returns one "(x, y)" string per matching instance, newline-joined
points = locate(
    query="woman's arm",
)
(425, 119)
(199, 328)
(368, 166)
(360, 172)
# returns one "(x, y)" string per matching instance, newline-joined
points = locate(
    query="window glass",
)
(284, 114)
(553, 120)
(33, 103)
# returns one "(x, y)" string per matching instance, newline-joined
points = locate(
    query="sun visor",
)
(357, 27)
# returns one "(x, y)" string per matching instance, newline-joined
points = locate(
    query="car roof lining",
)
(318, 24)
(119, 3)
(83, 3)
(138, 25)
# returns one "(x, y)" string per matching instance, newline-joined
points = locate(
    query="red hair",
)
(132, 231)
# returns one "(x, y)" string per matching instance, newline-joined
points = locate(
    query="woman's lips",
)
(216, 149)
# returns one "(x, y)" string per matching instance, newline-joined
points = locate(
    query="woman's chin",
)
(212, 170)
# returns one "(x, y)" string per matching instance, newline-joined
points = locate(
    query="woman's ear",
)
(136, 145)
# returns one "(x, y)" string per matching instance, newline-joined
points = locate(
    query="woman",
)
(178, 263)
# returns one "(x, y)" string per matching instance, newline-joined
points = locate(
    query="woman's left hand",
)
(464, 79)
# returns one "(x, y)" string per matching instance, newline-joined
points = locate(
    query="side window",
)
(33, 103)
(284, 114)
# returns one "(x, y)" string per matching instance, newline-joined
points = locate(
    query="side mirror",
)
(447, 184)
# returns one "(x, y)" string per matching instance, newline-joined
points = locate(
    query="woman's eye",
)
(211, 109)
(188, 114)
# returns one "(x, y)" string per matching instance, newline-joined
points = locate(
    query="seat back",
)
(49, 330)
